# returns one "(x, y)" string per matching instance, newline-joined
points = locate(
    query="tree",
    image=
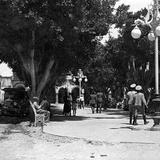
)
(129, 56)
(40, 39)
(99, 69)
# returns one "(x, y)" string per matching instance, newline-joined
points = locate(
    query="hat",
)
(133, 85)
(35, 98)
(138, 88)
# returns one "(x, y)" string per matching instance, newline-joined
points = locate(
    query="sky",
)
(135, 5)
(5, 70)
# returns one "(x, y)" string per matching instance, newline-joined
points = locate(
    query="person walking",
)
(67, 104)
(140, 104)
(99, 102)
(130, 95)
(74, 104)
(93, 100)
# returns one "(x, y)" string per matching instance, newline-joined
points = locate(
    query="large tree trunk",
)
(32, 70)
(45, 78)
(30, 67)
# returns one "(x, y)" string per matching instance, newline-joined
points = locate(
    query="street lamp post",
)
(80, 76)
(68, 78)
(152, 19)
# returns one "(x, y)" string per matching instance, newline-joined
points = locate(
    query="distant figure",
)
(67, 104)
(74, 105)
(99, 102)
(81, 102)
(130, 95)
(93, 101)
(124, 100)
(140, 104)
(70, 98)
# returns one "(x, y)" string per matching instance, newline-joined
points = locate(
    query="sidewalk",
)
(110, 126)
(106, 136)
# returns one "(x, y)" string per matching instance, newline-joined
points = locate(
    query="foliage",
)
(130, 56)
(100, 71)
(41, 39)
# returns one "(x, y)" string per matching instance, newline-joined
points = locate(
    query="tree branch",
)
(45, 78)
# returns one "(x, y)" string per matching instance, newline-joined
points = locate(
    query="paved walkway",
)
(106, 136)
(110, 126)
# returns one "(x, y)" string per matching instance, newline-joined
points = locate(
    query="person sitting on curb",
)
(39, 110)
(139, 103)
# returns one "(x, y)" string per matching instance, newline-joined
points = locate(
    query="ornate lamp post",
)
(80, 76)
(152, 19)
(68, 78)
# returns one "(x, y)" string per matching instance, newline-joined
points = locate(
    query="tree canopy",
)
(40, 39)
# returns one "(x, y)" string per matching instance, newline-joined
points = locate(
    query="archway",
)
(60, 90)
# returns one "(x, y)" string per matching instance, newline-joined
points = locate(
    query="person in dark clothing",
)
(74, 104)
(99, 102)
(93, 100)
(67, 104)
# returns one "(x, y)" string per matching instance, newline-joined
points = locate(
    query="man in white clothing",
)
(140, 104)
(130, 95)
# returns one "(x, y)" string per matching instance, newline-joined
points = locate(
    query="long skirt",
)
(67, 108)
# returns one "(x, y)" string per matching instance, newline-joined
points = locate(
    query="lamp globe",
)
(151, 36)
(158, 31)
(136, 33)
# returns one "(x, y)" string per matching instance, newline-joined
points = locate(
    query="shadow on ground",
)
(12, 120)
(60, 117)
(117, 114)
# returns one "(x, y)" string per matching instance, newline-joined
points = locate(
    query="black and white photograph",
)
(79, 79)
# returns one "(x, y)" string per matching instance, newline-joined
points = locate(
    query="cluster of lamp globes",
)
(80, 79)
(136, 33)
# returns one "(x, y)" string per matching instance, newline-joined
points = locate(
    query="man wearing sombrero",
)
(139, 103)
(130, 95)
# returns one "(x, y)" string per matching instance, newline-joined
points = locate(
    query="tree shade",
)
(41, 39)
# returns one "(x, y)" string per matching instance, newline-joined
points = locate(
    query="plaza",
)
(105, 136)
(82, 72)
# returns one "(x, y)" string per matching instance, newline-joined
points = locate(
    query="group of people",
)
(137, 103)
(70, 104)
(96, 102)
(135, 99)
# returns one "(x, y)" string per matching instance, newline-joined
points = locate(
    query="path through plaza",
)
(105, 136)
(111, 126)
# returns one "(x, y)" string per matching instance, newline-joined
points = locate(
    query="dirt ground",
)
(21, 142)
